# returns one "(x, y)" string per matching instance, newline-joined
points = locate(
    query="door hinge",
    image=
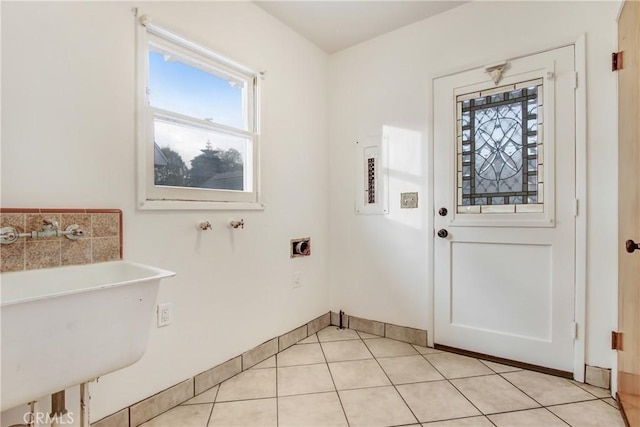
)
(575, 207)
(616, 61)
(616, 340)
(575, 80)
(574, 330)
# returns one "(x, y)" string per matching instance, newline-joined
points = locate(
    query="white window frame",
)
(154, 197)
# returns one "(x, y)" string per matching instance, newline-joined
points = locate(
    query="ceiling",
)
(337, 25)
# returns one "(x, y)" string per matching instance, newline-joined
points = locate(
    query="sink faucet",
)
(50, 228)
(50, 224)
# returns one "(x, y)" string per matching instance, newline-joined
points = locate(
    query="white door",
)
(504, 171)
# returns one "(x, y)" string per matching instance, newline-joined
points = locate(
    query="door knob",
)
(443, 212)
(443, 233)
(631, 246)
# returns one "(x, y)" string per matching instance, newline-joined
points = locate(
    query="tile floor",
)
(348, 378)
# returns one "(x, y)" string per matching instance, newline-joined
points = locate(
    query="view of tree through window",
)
(191, 149)
(213, 168)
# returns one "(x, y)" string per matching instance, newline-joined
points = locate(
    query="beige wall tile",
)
(259, 353)
(36, 221)
(105, 224)
(161, 402)
(34, 254)
(83, 220)
(366, 325)
(119, 419)
(12, 256)
(15, 220)
(105, 249)
(75, 252)
(598, 377)
(335, 319)
(410, 335)
(42, 254)
(319, 323)
(290, 338)
(216, 375)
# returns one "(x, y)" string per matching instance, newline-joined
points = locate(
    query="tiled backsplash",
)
(102, 240)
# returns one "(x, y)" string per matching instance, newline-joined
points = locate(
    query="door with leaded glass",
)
(504, 198)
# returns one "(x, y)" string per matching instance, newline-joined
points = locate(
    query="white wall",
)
(68, 141)
(379, 264)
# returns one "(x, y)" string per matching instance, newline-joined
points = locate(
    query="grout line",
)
(603, 399)
(456, 388)
(392, 384)
(503, 372)
(214, 405)
(558, 417)
(522, 391)
(334, 382)
(277, 396)
(593, 394)
(247, 400)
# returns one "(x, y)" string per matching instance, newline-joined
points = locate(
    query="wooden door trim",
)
(628, 358)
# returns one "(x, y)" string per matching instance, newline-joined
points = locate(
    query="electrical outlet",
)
(165, 314)
(296, 280)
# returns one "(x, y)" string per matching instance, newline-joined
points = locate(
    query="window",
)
(198, 125)
(500, 159)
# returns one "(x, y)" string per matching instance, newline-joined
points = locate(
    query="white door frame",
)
(581, 194)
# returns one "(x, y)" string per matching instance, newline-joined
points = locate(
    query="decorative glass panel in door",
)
(500, 157)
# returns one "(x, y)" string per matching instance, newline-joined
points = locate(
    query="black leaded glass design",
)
(371, 180)
(499, 151)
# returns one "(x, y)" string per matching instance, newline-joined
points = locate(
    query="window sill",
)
(181, 205)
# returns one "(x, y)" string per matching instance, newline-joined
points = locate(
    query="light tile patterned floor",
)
(348, 378)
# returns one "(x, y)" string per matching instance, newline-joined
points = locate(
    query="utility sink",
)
(64, 326)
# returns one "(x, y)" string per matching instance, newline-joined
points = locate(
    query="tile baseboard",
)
(598, 377)
(167, 399)
(387, 330)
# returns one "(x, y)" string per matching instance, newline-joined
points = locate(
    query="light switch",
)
(408, 200)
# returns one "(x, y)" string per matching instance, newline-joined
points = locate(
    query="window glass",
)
(179, 86)
(188, 156)
(500, 150)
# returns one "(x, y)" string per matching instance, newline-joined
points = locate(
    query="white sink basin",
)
(68, 325)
